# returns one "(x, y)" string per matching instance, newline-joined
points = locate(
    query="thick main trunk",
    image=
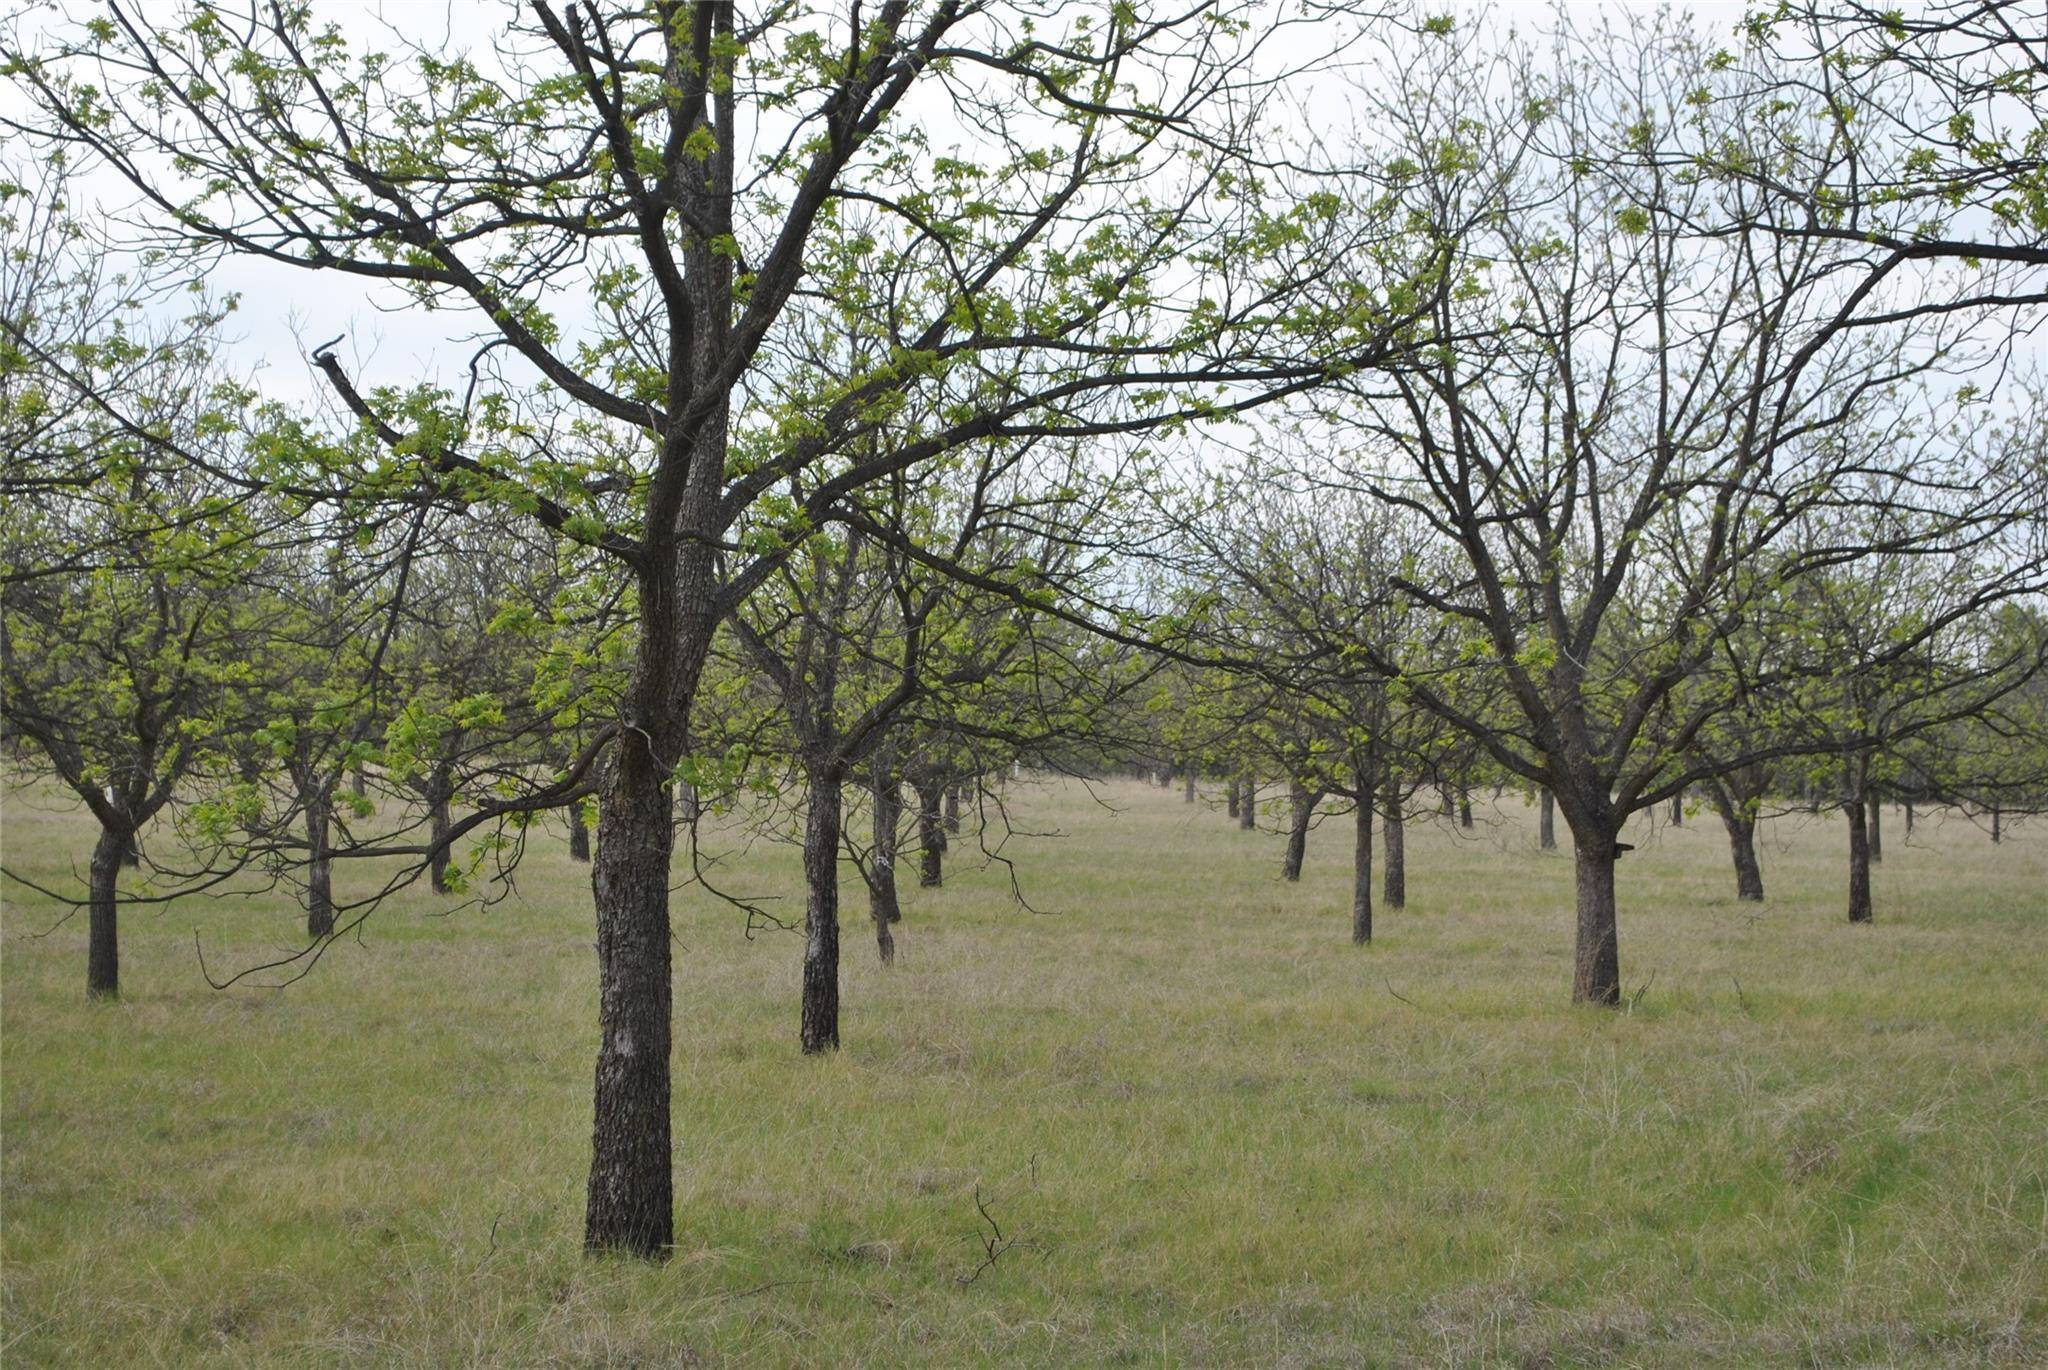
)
(931, 838)
(1301, 807)
(632, 1193)
(1876, 807)
(319, 870)
(1395, 885)
(1361, 866)
(1546, 820)
(1859, 860)
(820, 1022)
(579, 833)
(103, 936)
(1596, 959)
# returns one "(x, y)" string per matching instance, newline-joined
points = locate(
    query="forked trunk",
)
(319, 870)
(579, 833)
(820, 1025)
(103, 938)
(1546, 820)
(1596, 960)
(1859, 861)
(1395, 886)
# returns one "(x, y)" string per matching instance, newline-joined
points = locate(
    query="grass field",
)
(1211, 1131)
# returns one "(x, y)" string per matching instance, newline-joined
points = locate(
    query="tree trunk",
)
(1596, 961)
(1301, 807)
(1546, 820)
(1395, 885)
(1361, 866)
(1248, 805)
(689, 807)
(359, 783)
(1741, 826)
(579, 833)
(632, 1188)
(1188, 787)
(103, 938)
(438, 795)
(1678, 809)
(1876, 827)
(1909, 819)
(952, 809)
(1233, 791)
(1859, 860)
(820, 1026)
(1464, 810)
(931, 836)
(883, 905)
(319, 870)
(1994, 825)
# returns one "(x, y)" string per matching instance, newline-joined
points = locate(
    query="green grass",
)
(1213, 1131)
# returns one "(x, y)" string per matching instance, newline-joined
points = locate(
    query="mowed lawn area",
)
(1209, 1129)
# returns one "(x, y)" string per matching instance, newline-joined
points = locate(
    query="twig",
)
(993, 1245)
(1397, 993)
(1641, 990)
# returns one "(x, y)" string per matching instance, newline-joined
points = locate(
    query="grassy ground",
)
(1209, 1129)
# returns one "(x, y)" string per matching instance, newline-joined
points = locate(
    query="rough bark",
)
(1596, 960)
(103, 937)
(319, 870)
(579, 834)
(632, 1190)
(1395, 885)
(1546, 820)
(820, 1024)
(1859, 860)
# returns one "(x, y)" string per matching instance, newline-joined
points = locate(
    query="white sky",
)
(284, 311)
